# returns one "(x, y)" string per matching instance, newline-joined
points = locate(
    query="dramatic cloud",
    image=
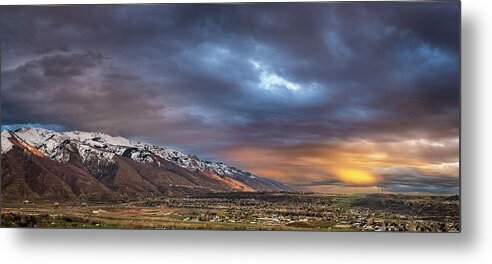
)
(307, 93)
(353, 162)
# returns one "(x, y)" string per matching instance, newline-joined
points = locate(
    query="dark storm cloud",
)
(436, 23)
(209, 77)
(62, 65)
(415, 182)
(69, 90)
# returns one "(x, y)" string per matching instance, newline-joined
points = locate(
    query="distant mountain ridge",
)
(76, 165)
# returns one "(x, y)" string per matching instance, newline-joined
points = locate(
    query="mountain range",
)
(41, 164)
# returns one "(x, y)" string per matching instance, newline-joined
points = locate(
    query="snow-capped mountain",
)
(104, 146)
(106, 158)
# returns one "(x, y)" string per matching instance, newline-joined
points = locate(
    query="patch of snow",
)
(99, 137)
(89, 153)
(62, 155)
(34, 136)
(53, 144)
(95, 144)
(6, 144)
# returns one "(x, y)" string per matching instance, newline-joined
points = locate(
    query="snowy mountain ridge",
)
(92, 145)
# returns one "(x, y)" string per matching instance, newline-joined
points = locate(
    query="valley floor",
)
(249, 211)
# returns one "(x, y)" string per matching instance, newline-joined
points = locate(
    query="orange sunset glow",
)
(360, 163)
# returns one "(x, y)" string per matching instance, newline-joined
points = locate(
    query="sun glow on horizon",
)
(356, 176)
(356, 163)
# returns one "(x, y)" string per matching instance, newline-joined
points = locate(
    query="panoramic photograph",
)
(327, 116)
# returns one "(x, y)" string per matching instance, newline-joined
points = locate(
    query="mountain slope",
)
(43, 164)
(28, 176)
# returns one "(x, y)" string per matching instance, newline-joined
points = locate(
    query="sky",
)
(330, 97)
